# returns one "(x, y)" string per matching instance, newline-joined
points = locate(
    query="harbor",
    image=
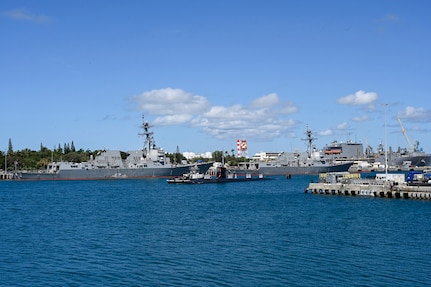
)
(152, 161)
(382, 185)
(261, 227)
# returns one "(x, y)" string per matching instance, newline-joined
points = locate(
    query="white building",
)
(192, 155)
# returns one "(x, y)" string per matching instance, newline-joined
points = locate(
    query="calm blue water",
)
(149, 233)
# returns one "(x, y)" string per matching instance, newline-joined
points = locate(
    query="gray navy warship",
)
(149, 162)
(293, 163)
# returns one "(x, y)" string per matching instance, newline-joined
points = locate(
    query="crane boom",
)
(405, 135)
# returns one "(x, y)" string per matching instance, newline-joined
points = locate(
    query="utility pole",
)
(386, 146)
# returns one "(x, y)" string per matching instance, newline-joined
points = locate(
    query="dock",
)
(6, 175)
(353, 185)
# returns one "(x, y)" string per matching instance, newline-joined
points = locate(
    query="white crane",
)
(405, 136)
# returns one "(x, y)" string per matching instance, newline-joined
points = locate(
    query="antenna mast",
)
(310, 139)
(149, 139)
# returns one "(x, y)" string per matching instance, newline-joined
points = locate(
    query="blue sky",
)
(206, 73)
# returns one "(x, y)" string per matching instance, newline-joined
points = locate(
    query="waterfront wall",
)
(385, 190)
(6, 176)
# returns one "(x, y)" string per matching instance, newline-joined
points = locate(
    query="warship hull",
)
(297, 170)
(275, 170)
(414, 160)
(121, 173)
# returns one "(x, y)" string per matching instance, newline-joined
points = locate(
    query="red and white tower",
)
(241, 146)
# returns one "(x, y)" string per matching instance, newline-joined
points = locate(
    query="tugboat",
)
(216, 174)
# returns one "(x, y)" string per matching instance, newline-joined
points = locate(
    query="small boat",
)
(216, 174)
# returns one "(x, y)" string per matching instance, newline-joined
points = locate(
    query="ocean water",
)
(150, 233)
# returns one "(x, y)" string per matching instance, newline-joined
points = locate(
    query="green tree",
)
(42, 163)
(75, 157)
(178, 157)
(217, 155)
(10, 147)
(2, 162)
(66, 149)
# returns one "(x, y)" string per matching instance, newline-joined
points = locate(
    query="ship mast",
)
(149, 139)
(310, 139)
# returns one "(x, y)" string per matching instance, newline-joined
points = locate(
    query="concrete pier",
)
(6, 176)
(373, 189)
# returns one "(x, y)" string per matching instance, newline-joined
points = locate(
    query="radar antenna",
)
(309, 139)
(149, 139)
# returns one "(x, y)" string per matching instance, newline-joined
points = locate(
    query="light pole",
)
(386, 145)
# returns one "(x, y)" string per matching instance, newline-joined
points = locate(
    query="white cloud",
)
(343, 126)
(234, 121)
(172, 120)
(24, 15)
(415, 114)
(174, 104)
(288, 108)
(360, 118)
(256, 130)
(273, 101)
(263, 118)
(232, 112)
(266, 101)
(359, 98)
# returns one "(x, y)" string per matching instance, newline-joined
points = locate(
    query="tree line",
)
(27, 159)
